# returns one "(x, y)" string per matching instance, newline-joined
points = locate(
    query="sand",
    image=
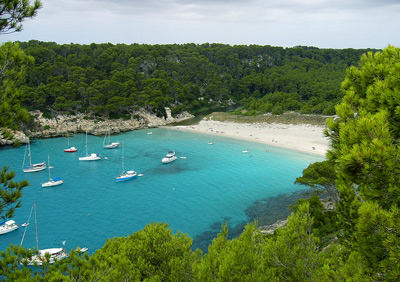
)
(302, 137)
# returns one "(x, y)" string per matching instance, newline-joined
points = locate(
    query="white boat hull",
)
(71, 150)
(168, 159)
(8, 226)
(35, 168)
(111, 145)
(55, 255)
(52, 183)
(91, 157)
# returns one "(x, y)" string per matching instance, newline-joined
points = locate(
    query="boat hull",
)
(35, 168)
(71, 150)
(168, 160)
(126, 176)
(111, 146)
(52, 183)
(55, 255)
(91, 157)
(8, 226)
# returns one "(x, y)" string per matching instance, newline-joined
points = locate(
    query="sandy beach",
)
(302, 137)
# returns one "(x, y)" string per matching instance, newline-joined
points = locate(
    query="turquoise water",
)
(215, 183)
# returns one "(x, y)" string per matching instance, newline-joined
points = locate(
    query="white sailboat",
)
(89, 157)
(55, 254)
(70, 149)
(52, 181)
(125, 175)
(109, 145)
(32, 167)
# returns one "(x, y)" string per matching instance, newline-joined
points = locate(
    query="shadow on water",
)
(265, 211)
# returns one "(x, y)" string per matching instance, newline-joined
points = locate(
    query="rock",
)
(63, 125)
(270, 229)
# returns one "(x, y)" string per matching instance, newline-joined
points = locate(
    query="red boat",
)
(70, 150)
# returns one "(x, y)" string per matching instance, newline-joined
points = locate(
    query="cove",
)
(211, 185)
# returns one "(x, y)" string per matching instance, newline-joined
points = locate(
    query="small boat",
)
(149, 133)
(32, 167)
(70, 149)
(8, 226)
(109, 145)
(82, 250)
(89, 157)
(244, 152)
(170, 157)
(183, 157)
(52, 181)
(125, 175)
(210, 143)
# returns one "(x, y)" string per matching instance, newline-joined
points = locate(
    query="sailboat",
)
(70, 149)
(89, 157)
(32, 167)
(55, 254)
(52, 181)
(125, 175)
(110, 145)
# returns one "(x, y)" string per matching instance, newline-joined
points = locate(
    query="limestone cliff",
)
(62, 125)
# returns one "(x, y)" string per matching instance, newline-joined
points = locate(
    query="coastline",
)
(301, 137)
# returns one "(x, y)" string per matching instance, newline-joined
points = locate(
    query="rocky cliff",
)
(63, 125)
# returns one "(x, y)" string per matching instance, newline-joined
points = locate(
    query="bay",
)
(210, 185)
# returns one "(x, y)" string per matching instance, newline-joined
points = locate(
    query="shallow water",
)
(214, 184)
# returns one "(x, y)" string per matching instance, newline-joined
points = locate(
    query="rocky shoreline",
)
(63, 125)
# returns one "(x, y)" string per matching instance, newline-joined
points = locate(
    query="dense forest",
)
(115, 80)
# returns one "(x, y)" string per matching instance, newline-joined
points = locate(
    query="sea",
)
(230, 181)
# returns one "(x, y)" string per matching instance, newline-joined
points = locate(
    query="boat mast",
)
(86, 145)
(37, 239)
(48, 160)
(29, 153)
(123, 157)
(27, 224)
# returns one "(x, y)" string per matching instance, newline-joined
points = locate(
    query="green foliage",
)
(324, 221)
(153, 252)
(293, 252)
(13, 12)
(113, 79)
(321, 175)
(13, 63)
(364, 140)
(10, 192)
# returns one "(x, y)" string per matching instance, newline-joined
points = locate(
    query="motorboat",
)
(170, 157)
(125, 175)
(52, 181)
(8, 226)
(31, 167)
